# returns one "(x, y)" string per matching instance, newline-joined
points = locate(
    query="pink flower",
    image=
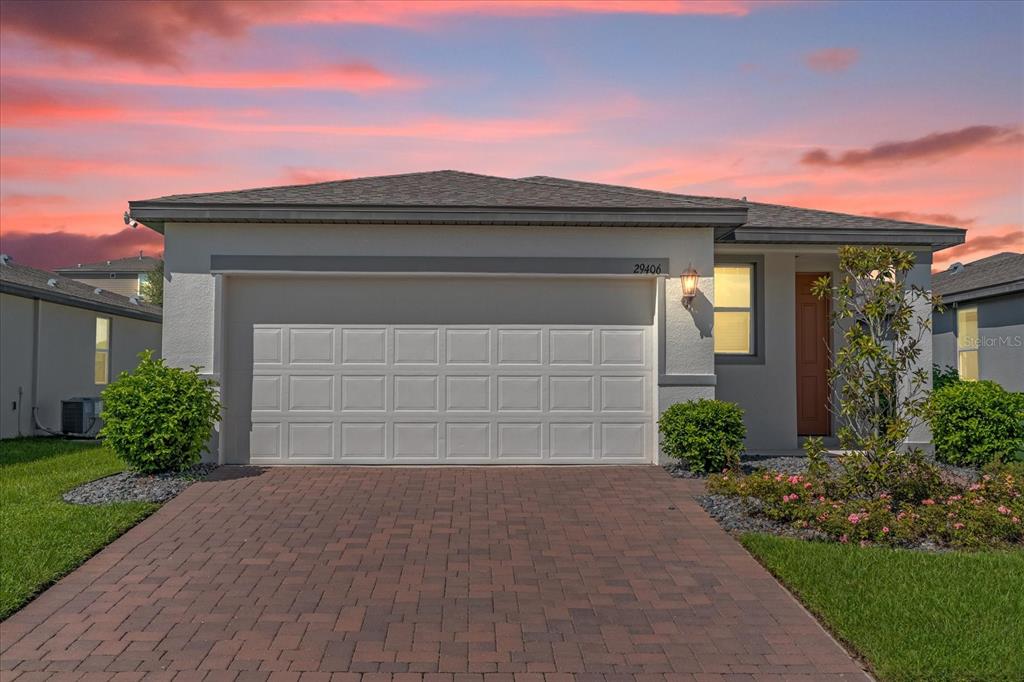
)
(1016, 520)
(821, 498)
(807, 485)
(778, 477)
(954, 498)
(794, 479)
(928, 502)
(1003, 510)
(975, 486)
(883, 496)
(843, 538)
(899, 517)
(885, 529)
(958, 525)
(853, 518)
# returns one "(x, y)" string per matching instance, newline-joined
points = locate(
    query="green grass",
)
(912, 615)
(42, 537)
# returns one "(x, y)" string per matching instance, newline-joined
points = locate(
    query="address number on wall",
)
(646, 268)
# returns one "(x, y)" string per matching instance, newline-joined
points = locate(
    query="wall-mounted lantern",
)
(689, 281)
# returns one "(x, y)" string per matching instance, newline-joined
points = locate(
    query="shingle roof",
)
(130, 264)
(759, 215)
(437, 188)
(22, 280)
(454, 197)
(1001, 269)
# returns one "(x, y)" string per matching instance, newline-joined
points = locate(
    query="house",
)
(449, 317)
(123, 276)
(980, 328)
(61, 339)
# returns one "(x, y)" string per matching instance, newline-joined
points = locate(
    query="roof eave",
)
(60, 297)
(937, 238)
(983, 292)
(156, 215)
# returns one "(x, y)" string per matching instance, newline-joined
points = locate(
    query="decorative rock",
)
(130, 486)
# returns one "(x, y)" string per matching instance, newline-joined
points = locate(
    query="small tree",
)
(159, 418)
(877, 376)
(153, 288)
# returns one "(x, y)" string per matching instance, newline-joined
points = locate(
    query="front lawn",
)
(42, 537)
(912, 615)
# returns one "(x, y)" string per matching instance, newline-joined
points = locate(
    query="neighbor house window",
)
(102, 371)
(967, 343)
(734, 309)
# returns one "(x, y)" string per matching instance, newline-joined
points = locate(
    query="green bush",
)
(944, 376)
(703, 433)
(976, 422)
(159, 418)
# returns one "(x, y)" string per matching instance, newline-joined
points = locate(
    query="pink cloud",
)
(161, 32)
(832, 59)
(929, 147)
(294, 175)
(928, 218)
(48, 250)
(48, 167)
(354, 76)
(982, 243)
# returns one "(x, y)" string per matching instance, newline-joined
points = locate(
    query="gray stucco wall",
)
(1001, 328)
(190, 291)
(16, 326)
(65, 338)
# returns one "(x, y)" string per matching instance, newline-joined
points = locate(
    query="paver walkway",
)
(424, 574)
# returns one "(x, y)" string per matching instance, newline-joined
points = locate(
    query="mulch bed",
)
(130, 486)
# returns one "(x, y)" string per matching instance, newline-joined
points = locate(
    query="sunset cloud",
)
(928, 218)
(49, 167)
(354, 76)
(832, 59)
(160, 33)
(49, 250)
(145, 32)
(980, 244)
(929, 147)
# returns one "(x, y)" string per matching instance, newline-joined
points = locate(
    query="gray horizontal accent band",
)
(74, 302)
(687, 380)
(155, 215)
(938, 237)
(462, 264)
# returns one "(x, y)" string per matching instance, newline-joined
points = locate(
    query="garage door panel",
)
(364, 394)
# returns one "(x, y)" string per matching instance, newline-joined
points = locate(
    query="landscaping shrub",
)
(976, 422)
(704, 434)
(159, 418)
(944, 376)
(989, 513)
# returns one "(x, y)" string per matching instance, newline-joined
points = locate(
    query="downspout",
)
(36, 316)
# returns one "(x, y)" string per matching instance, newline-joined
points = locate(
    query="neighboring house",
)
(450, 317)
(122, 276)
(62, 339)
(981, 330)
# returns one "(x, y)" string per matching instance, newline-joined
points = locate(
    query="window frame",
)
(97, 351)
(756, 356)
(976, 349)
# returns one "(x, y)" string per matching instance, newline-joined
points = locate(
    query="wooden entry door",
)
(812, 359)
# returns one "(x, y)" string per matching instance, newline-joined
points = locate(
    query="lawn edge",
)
(794, 594)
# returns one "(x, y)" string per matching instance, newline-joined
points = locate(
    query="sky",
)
(906, 110)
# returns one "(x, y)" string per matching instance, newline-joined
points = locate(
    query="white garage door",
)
(457, 394)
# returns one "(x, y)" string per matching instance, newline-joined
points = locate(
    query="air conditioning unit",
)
(78, 416)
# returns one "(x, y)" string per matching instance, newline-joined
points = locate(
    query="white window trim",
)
(976, 349)
(756, 309)
(97, 350)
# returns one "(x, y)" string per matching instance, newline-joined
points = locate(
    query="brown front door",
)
(812, 415)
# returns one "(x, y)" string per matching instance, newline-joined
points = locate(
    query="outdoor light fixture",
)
(689, 282)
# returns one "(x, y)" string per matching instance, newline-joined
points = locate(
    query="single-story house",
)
(450, 317)
(61, 339)
(123, 276)
(980, 328)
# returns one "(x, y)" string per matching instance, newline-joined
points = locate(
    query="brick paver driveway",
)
(424, 573)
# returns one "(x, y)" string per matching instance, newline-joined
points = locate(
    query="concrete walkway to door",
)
(407, 573)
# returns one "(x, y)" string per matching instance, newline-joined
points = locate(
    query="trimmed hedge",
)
(975, 423)
(704, 434)
(159, 418)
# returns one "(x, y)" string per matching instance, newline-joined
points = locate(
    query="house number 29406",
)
(646, 268)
